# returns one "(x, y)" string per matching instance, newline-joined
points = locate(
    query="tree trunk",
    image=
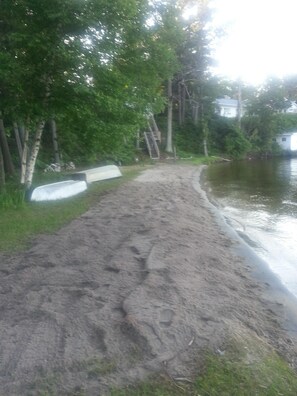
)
(24, 156)
(196, 112)
(183, 100)
(239, 106)
(8, 164)
(205, 147)
(205, 135)
(169, 147)
(18, 140)
(33, 156)
(55, 141)
(22, 133)
(179, 104)
(2, 172)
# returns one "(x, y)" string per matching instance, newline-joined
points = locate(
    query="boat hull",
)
(60, 190)
(98, 174)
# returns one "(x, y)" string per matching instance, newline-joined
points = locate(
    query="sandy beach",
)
(142, 283)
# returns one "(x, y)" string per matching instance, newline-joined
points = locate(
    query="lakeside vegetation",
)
(70, 93)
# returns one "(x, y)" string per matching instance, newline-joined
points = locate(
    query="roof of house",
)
(287, 133)
(227, 102)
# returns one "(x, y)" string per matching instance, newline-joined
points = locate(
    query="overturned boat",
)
(98, 174)
(59, 190)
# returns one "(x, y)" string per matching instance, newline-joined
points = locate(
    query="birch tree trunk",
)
(169, 147)
(33, 156)
(24, 156)
(55, 141)
(8, 164)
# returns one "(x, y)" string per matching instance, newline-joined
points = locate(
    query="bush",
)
(236, 144)
(12, 198)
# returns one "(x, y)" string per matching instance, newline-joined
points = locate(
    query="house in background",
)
(292, 109)
(287, 141)
(227, 107)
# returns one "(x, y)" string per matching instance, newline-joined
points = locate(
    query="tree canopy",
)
(96, 66)
(101, 68)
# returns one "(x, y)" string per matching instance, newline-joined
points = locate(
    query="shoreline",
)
(260, 268)
(143, 283)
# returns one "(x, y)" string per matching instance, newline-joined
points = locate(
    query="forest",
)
(81, 81)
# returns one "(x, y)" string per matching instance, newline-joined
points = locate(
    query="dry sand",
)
(141, 283)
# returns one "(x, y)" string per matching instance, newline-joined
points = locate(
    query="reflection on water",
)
(259, 199)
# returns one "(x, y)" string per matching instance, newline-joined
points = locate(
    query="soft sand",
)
(141, 283)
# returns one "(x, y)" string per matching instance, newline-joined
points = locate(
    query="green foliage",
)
(236, 145)
(220, 128)
(285, 122)
(261, 130)
(97, 67)
(232, 374)
(268, 377)
(12, 198)
(265, 117)
(222, 133)
(188, 138)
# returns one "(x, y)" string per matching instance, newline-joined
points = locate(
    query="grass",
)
(20, 222)
(97, 367)
(224, 377)
(245, 369)
(201, 160)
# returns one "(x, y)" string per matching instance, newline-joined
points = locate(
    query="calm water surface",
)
(259, 200)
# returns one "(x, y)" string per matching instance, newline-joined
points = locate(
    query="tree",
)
(259, 123)
(94, 64)
(6, 157)
(192, 85)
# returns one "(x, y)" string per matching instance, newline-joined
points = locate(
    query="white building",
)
(227, 107)
(287, 141)
(292, 109)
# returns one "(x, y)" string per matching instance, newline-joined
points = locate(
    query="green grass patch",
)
(246, 369)
(268, 377)
(200, 159)
(20, 223)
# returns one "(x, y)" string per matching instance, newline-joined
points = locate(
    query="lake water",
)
(259, 200)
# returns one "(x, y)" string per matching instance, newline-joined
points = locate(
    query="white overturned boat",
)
(60, 190)
(98, 174)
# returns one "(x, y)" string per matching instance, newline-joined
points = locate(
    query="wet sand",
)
(142, 283)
